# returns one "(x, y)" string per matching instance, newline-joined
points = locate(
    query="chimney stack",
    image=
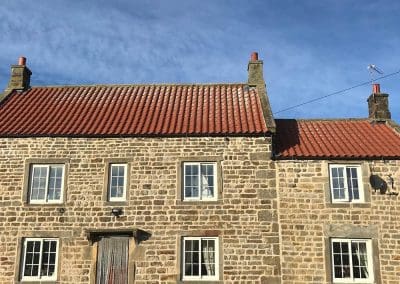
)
(255, 69)
(378, 104)
(20, 76)
(256, 79)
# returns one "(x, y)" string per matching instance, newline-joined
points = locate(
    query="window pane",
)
(191, 258)
(195, 192)
(188, 269)
(28, 270)
(336, 247)
(346, 271)
(337, 259)
(188, 245)
(208, 257)
(48, 258)
(356, 272)
(188, 180)
(40, 258)
(352, 181)
(32, 256)
(114, 181)
(120, 171)
(188, 192)
(35, 270)
(360, 260)
(195, 170)
(195, 246)
(195, 269)
(191, 181)
(114, 171)
(117, 181)
(335, 183)
(38, 187)
(338, 185)
(338, 272)
(341, 259)
(345, 247)
(207, 181)
(121, 181)
(188, 170)
(194, 181)
(336, 193)
(55, 181)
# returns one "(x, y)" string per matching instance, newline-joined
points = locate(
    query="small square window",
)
(200, 258)
(200, 181)
(39, 259)
(351, 261)
(117, 182)
(346, 183)
(46, 183)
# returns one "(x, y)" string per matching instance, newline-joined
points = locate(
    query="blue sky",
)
(309, 48)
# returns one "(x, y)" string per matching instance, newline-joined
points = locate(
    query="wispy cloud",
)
(309, 48)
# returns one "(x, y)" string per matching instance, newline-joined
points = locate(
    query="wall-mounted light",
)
(116, 212)
(390, 181)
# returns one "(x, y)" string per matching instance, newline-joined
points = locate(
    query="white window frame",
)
(347, 199)
(39, 278)
(116, 199)
(200, 197)
(46, 201)
(200, 277)
(368, 243)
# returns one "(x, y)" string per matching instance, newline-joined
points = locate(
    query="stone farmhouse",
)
(192, 183)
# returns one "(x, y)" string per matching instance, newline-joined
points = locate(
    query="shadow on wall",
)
(287, 135)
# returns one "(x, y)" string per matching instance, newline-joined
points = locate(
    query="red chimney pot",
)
(22, 61)
(254, 56)
(376, 89)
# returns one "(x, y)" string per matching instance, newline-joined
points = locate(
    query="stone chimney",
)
(378, 104)
(256, 79)
(20, 76)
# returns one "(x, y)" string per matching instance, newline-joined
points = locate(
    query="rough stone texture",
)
(245, 221)
(306, 220)
(256, 79)
(378, 106)
(20, 78)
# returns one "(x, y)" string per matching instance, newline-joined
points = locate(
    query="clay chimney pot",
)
(22, 61)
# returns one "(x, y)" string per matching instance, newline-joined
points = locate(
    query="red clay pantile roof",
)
(336, 139)
(133, 110)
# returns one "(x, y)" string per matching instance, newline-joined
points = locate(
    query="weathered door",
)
(112, 260)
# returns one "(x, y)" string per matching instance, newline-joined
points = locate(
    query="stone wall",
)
(308, 219)
(244, 219)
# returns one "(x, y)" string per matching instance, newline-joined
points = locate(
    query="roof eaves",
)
(332, 158)
(192, 135)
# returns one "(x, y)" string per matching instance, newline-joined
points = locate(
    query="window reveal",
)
(40, 259)
(200, 181)
(117, 182)
(346, 185)
(200, 258)
(351, 260)
(46, 183)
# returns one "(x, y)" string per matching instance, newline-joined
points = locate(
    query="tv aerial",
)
(373, 70)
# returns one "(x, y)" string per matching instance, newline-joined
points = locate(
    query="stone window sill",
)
(199, 282)
(348, 205)
(200, 203)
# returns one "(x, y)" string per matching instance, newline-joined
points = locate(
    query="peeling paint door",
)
(112, 260)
